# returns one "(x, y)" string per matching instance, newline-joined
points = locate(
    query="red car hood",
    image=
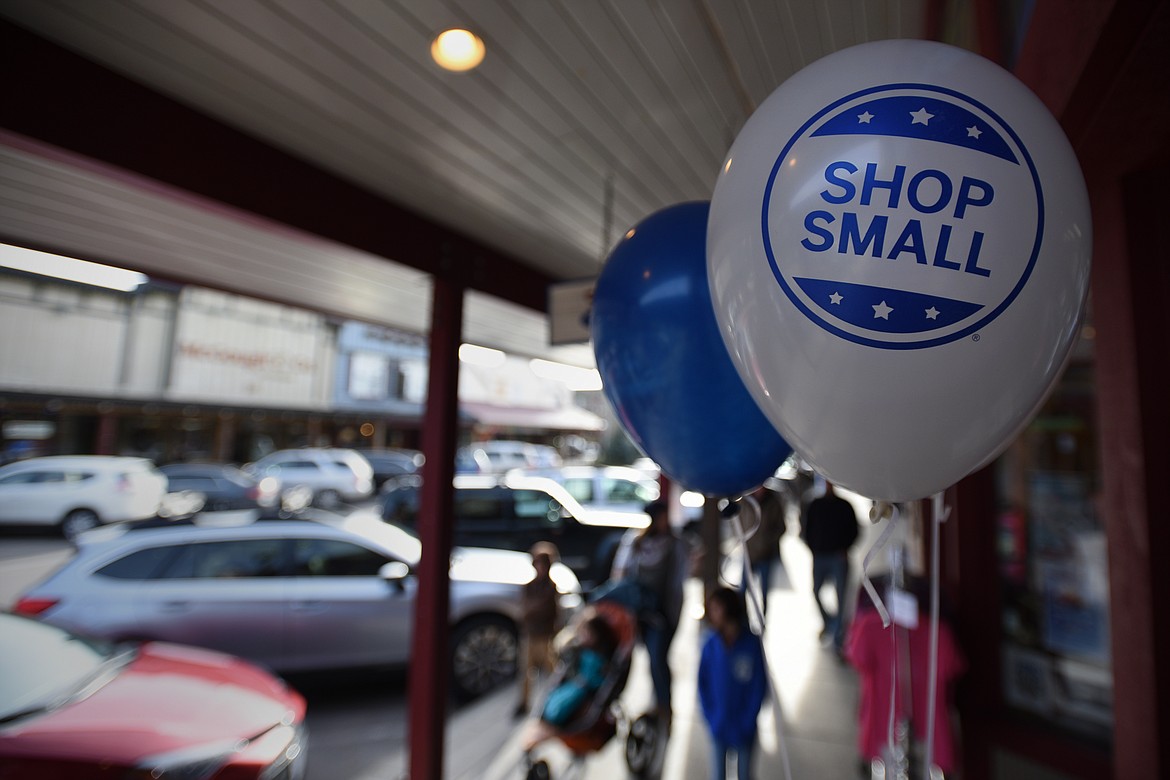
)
(169, 698)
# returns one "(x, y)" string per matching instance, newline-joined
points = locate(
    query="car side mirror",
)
(394, 572)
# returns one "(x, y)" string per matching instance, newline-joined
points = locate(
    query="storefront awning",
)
(569, 418)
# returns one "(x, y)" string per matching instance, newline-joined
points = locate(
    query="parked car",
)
(333, 474)
(75, 707)
(392, 463)
(223, 487)
(78, 492)
(515, 511)
(497, 457)
(623, 489)
(292, 595)
(617, 488)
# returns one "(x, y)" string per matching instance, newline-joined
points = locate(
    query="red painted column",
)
(429, 652)
(1129, 269)
(107, 434)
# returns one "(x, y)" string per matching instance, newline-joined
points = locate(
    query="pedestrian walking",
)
(648, 574)
(540, 614)
(829, 528)
(763, 546)
(732, 683)
(904, 674)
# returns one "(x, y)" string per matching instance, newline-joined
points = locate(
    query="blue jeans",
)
(655, 630)
(763, 571)
(743, 759)
(657, 639)
(835, 567)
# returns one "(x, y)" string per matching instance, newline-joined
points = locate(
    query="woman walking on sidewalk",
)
(648, 574)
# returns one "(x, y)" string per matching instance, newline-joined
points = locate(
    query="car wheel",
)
(78, 521)
(483, 655)
(327, 499)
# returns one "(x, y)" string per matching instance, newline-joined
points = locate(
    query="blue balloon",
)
(664, 366)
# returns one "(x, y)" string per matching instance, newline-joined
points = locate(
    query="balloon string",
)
(876, 513)
(755, 603)
(877, 547)
(892, 750)
(753, 591)
(939, 514)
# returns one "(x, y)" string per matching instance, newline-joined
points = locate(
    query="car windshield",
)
(45, 666)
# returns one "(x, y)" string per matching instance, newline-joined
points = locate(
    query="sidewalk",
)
(817, 692)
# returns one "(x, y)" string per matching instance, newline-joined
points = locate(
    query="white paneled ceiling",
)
(585, 117)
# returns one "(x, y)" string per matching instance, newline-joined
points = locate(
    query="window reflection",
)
(1052, 563)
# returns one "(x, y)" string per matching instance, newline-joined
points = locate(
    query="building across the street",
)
(187, 373)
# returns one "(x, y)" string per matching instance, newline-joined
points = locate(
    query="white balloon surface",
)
(898, 251)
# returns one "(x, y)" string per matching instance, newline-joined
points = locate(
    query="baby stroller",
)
(600, 717)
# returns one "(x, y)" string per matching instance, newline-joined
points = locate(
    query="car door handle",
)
(175, 606)
(308, 606)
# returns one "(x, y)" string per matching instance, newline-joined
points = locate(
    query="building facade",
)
(187, 373)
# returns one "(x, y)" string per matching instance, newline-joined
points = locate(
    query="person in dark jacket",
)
(829, 528)
(763, 546)
(733, 682)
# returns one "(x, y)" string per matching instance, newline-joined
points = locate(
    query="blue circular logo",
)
(903, 216)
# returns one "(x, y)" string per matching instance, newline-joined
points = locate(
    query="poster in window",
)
(369, 376)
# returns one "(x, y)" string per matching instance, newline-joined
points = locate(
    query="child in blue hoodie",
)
(732, 683)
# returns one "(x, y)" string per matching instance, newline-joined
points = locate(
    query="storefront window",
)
(25, 438)
(369, 376)
(1053, 564)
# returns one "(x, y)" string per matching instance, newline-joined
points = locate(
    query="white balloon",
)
(898, 252)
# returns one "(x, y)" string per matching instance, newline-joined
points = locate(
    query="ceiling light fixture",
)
(457, 50)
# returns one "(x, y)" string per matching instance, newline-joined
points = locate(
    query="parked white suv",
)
(333, 474)
(78, 492)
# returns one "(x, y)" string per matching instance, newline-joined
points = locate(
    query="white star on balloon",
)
(921, 116)
(864, 118)
(974, 132)
(882, 311)
(836, 298)
(932, 313)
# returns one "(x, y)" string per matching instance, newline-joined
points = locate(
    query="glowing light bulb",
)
(457, 50)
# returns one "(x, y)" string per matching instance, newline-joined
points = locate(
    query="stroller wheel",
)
(641, 744)
(539, 771)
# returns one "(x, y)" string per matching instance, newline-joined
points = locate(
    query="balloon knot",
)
(880, 511)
